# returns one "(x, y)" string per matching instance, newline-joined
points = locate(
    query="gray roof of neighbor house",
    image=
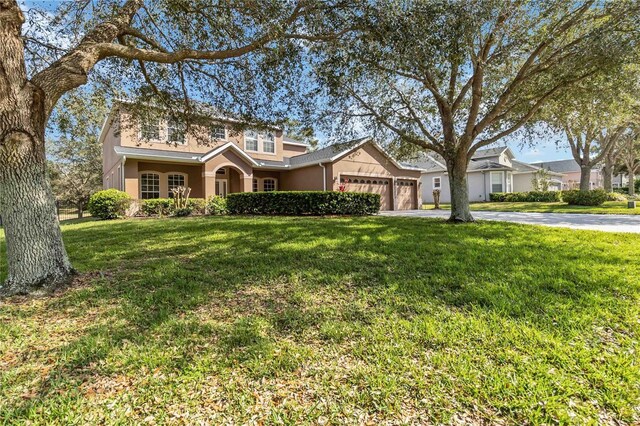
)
(561, 166)
(491, 152)
(487, 165)
(519, 166)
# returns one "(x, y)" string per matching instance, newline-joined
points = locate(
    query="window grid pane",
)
(251, 141)
(269, 143)
(175, 181)
(149, 186)
(269, 185)
(255, 185)
(175, 131)
(218, 133)
(150, 130)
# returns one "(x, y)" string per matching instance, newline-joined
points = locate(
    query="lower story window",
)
(175, 181)
(269, 185)
(255, 185)
(149, 186)
(496, 181)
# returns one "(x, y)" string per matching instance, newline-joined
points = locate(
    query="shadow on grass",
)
(239, 284)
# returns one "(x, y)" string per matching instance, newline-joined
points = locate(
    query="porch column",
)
(209, 185)
(247, 183)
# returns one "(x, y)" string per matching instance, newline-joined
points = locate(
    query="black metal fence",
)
(67, 211)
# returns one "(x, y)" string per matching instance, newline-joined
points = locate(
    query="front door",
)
(221, 187)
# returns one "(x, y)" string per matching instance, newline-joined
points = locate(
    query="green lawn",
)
(304, 320)
(609, 207)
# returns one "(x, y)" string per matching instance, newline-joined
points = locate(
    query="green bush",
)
(614, 196)
(198, 206)
(157, 207)
(109, 204)
(166, 207)
(315, 203)
(183, 211)
(216, 205)
(526, 197)
(585, 198)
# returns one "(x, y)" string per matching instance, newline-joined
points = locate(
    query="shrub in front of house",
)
(198, 206)
(299, 203)
(594, 197)
(158, 207)
(614, 196)
(526, 197)
(216, 205)
(109, 204)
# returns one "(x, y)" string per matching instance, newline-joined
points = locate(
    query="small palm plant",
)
(181, 201)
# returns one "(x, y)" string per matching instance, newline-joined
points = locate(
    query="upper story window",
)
(250, 141)
(175, 131)
(218, 133)
(150, 130)
(269, 143)
(149, 186)
(437, 183)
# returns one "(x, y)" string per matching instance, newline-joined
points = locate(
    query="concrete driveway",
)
(595, 222)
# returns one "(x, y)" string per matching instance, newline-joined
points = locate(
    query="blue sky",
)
(541, 151)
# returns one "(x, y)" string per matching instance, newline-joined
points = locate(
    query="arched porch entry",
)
(228, 179)
(227, 173)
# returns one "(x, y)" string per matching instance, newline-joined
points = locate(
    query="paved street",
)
(596, 222)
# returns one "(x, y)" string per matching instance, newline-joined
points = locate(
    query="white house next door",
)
(221, 187)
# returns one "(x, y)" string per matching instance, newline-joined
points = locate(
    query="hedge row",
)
(297, 203)
(585, 198)
(524, 197)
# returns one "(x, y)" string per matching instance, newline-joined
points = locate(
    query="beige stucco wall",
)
(367, 161)
(197, 140)
(292, 150)
(304, 179)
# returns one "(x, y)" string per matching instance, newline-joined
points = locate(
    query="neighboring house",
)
(147, 160)
(490, 170)
(570, 169)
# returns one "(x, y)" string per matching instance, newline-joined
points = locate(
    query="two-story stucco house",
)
(490, 170)
(148, 159)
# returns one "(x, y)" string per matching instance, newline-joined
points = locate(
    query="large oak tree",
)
(455, 76)
(234, 54)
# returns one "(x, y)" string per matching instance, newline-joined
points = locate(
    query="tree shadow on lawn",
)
(176, 289)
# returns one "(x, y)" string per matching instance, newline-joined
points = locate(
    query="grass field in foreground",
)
(321, 320)
(609, 207)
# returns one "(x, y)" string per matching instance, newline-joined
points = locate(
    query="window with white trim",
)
(255, 185)
(250, 141)
(150, 130)
(149, 186)
(437, 182)
(176, 131)
(496, 182)
(509, 181)
(175, 180)
(218, 133)
(269, 143)
(269, 185)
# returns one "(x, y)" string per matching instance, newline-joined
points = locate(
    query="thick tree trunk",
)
(607, 177)
(36, 256)
(457, 169)
(632, 179)
(585, 178)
